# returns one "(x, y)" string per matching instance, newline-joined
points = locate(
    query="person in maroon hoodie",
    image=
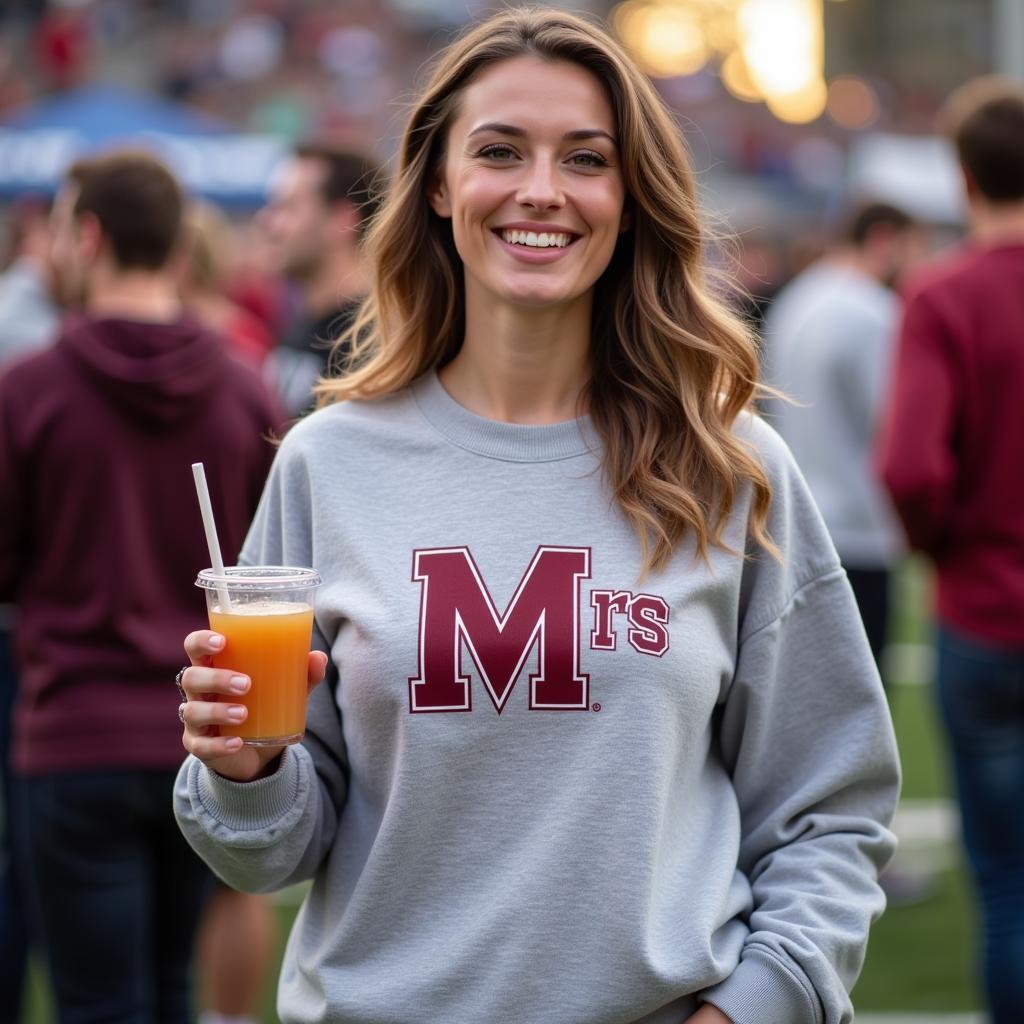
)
(951, 455)
(100, 544)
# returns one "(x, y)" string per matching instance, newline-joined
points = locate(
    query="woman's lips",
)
(534, 254)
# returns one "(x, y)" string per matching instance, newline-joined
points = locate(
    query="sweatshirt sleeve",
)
(915, 455)
(261, 836)
(806, 735)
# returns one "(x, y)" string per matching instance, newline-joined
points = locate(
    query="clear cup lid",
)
(259, 577)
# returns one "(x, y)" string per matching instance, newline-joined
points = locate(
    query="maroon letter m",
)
(455, 607)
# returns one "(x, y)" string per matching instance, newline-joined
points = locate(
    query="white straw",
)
(210, 526)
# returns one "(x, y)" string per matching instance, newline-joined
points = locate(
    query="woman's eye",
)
(587, 158)
(498, 152)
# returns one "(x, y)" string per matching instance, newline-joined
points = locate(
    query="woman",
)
(603, 740)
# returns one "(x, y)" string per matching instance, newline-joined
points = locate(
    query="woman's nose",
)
(540, 188)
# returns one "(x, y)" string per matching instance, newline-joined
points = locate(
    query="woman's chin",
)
(539, 297)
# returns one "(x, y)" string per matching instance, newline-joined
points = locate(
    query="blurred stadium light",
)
(770, 50)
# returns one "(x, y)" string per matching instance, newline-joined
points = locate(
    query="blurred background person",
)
(100, 543)
(756, 274)
(254, 282)
(62, 43)
(28, 314)
(319, 206)
(28, 322)
(827, 345)
(14, 938)
(237, 930)
(951, 456)
(206, 270)
(235, 952)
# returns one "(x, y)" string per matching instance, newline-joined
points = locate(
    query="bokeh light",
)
(736, 78)
(783, 43)
(666, 38)
(802, 106)
(852, 103)
(771, 51)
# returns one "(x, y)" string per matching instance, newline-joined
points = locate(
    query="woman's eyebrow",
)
(573, 136)
(589, 133)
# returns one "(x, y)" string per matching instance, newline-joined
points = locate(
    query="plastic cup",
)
(267, 628)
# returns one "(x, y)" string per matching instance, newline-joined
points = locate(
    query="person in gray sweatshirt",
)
(601, 740)
(829, 339)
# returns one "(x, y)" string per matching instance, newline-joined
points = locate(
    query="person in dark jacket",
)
(28, 322)
(319, 209)
(101, 542)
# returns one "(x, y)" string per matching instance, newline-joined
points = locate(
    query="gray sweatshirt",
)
(536, 790)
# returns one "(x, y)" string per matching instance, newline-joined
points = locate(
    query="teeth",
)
(543, 240)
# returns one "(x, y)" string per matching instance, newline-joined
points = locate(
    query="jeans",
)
(981, 698)
(13, 932)
(116, 891)
(871, 591)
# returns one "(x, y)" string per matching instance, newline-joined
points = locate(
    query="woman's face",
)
(532, 182)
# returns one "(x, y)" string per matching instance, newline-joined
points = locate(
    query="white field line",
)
(927, 822)
(919, 1018)
(908, 664)
(929, 836)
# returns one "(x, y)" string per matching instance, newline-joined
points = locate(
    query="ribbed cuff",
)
(762, 989)
(250, 806)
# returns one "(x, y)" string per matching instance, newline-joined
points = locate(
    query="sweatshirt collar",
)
(509, 442)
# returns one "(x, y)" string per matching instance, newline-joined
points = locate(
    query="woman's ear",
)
(437, 196)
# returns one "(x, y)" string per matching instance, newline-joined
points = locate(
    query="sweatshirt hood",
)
(155, 372)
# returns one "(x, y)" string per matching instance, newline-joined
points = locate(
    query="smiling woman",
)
(578, 614)
(511, 186)
(543, 124)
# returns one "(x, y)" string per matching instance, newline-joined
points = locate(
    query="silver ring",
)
(181, 713)
(177, 682)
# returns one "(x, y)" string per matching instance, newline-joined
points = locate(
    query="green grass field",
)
(919, 957)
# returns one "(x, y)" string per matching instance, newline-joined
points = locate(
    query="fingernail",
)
(239, 684)
(236, 713)
(234, 743)
(216, 641)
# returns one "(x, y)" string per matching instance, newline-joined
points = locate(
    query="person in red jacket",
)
(951, 458)
(100, 546)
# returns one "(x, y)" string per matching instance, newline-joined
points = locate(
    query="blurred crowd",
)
(206, 335)
(278, 66)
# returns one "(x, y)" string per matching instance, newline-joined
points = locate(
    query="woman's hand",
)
(709, 1014)
(209, 706)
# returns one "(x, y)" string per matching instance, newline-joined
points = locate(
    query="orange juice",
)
(269, 642)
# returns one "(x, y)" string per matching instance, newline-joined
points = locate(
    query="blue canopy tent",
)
(210, 157)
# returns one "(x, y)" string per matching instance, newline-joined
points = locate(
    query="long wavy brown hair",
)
(671, 366)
